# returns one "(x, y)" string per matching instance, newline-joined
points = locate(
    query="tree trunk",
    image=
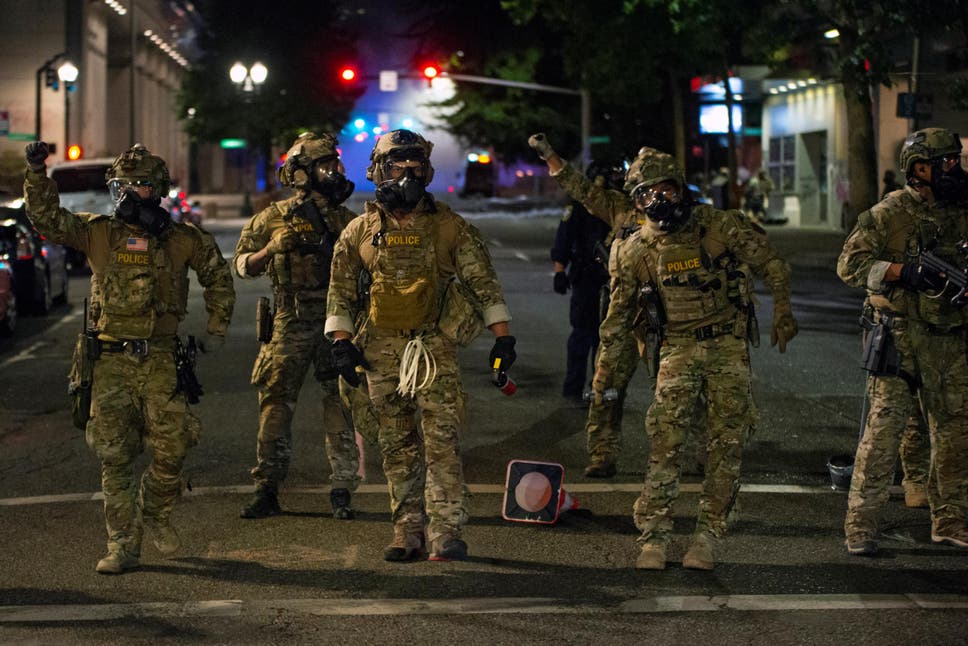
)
(861, 150)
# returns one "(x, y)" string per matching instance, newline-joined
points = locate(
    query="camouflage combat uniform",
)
(144, 282)
(412, 268)
(300, 280)
(603, 429)
(929, 334)
(704, 353)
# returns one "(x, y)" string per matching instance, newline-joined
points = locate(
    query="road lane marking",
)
(28, 352)
(575, 488)
(478, 605)
(520, 255)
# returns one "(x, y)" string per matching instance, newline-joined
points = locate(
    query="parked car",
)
(8, 299)
(83, 189)
(39, 267)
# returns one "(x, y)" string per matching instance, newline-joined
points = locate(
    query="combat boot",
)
(163, 536)
(264, 503)
(407, 544)
(653, 557)
(700, 555)
(448, 548)
(915, 496)
(118, 561)
(600, 468)
(950, 535)
(340, 499)
(862, 546)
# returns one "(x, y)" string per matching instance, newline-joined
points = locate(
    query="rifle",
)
(953, 276)
(652, 314)
(185, 370)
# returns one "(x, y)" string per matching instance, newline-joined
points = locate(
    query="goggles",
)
(118, 186)
(394, 170)
(646, 197)
(950, 161)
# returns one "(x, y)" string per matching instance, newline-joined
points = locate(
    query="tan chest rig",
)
(138, 285)
(692, 285)
(306, 268)
(404, 294)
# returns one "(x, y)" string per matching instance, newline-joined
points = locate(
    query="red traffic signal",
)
(74, 152)
(347, 74)
(430, 72)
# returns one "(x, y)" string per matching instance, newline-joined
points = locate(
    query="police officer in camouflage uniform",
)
(434, 287)
(603, 428)
(581, 266)
(688, 255)
(293, 242)
(140, 261)
(927, 331)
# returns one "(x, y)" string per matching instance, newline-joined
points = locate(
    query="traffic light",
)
(347, 75)
(74, 152)
(430, 72)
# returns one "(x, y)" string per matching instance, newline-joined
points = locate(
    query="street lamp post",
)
(248, 80)
(67, 73)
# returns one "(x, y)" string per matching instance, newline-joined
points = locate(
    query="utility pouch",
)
(880, 354)
(401, 306)
(81, 379)
(461, 319)
(263, 320)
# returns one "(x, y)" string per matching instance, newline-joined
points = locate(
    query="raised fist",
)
(36, 154)
(541, 145)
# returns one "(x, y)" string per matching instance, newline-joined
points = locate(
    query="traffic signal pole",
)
(539, 87)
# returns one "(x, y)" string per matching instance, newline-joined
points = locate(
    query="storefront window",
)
(782, 164)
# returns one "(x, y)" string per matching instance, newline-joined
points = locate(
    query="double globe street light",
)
(248, 78)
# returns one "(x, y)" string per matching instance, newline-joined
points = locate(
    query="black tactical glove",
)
(36, 154)
(561, 282)
(541, 145)
(918, 278)
(504, 350)
(347, 358)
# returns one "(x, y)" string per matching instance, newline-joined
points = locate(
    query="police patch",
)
(676, 266)
(132, 258)
(403, 239)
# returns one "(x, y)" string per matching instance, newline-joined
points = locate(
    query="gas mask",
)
(949, 186)
(667, 208)
(329, 180)
(404, 186)
(147, 213)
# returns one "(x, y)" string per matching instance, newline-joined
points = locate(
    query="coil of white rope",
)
(416, 358)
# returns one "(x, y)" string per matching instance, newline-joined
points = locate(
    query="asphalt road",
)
(303, 577)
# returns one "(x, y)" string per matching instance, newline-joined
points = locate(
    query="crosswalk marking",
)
(479, 605)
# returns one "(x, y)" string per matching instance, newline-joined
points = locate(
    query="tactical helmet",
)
(927, 144)
(138, 166)
(652, 166)
(399, 145)
(307, 148)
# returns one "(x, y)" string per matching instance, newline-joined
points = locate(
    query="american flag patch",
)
(137, 244)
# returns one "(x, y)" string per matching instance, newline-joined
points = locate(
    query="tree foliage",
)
(301, 42)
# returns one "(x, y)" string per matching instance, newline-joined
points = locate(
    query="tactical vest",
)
(139, 286)
(307, 267)
(913, 233)
(407, 290)
(694, 284)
